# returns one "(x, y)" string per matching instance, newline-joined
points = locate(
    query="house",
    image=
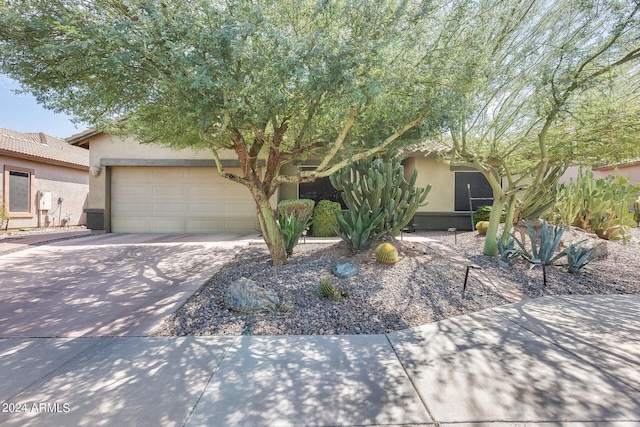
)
(149, 188)
(45, 181)
(630, 169)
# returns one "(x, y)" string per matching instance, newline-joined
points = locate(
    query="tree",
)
(283, 80)
(531, 98)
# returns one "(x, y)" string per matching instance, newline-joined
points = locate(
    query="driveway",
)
(107, 285)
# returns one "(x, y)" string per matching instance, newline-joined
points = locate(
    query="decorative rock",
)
(345, 270)
(247, 296)
(584, 239)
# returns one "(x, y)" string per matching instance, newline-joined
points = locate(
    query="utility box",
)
(45, 201)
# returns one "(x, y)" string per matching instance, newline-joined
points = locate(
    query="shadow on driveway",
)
(108, 285)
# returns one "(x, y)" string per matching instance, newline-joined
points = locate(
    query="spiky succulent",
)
(331, 291)
(386, 253)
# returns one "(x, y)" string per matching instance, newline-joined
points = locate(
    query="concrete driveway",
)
(107, 285)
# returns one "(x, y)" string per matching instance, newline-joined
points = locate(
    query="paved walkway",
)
(105, 285)
(548, 361)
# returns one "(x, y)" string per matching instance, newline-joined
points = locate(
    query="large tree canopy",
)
(285, 79)
(554, 82)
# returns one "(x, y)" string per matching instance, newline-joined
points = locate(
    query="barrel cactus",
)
(386, 253)
(331, 291)
(482, 227)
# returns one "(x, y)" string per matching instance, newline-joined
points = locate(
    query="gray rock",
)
(584, 239)
(247, 296)
(345, 270)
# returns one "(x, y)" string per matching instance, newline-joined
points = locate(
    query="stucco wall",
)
(439, 175)
(70, 184)
(103, 146)
(631, 171)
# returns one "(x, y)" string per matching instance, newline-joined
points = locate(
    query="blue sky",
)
(23, 114)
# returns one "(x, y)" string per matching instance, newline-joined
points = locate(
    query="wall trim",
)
(190, 163)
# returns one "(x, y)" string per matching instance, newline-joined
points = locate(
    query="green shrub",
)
(301, 208)
(325, 221)
(4, 215)
(483, 213)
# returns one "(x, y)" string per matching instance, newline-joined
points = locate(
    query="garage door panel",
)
(130, 225)
(178, 200)
(130, 209)
(205, 209)
(167, 209)
(169, 174)
(205, 193)
(161, 192)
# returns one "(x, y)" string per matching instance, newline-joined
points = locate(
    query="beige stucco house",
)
(149, 188)
(45, 181)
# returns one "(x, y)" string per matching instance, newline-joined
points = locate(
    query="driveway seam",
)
(204, 389)
(424, 403)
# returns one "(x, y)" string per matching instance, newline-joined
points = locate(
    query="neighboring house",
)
(45, 181)
(629, 169)
(148, 188)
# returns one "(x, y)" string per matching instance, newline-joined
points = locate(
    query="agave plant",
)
(544, 244)
(508, 253)
(577, 258)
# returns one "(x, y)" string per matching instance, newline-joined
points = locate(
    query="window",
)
(18, 192)
(320, 189)
(481, 193)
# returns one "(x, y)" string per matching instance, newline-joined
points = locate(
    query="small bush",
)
(300, 208)
(483, 213)
(325, 221)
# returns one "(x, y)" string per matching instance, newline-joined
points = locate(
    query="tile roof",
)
(42, 147)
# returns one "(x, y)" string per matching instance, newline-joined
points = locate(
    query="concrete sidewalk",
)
(547, 361)
(18, 242)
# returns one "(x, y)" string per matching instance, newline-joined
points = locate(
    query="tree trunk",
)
(508, 223)
(269, 227)
(491, 239)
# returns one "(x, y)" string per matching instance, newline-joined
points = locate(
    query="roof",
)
(627, 164)
(81, 139)
(43, 148)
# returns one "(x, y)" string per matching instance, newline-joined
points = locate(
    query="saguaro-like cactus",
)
(381, 187)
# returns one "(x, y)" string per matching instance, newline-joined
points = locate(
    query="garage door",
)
(178, 200)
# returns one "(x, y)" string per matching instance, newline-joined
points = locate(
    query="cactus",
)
(357, 228)
(386, 253)
(378, 186)
(599, 205)
(508, 253)
(482, 227)
(577, 258)
(544, 245)
(329, 290)
(294, 218)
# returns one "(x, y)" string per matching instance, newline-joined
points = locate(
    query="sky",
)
(23, 114)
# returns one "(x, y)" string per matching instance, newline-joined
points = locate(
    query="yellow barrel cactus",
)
(386, 253)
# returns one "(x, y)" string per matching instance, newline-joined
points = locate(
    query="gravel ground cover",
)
(424, 286)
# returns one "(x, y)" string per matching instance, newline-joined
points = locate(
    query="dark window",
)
(320, 189)
(481, 193)
(19, 192)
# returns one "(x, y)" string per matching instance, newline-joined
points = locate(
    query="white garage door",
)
(178, 200)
